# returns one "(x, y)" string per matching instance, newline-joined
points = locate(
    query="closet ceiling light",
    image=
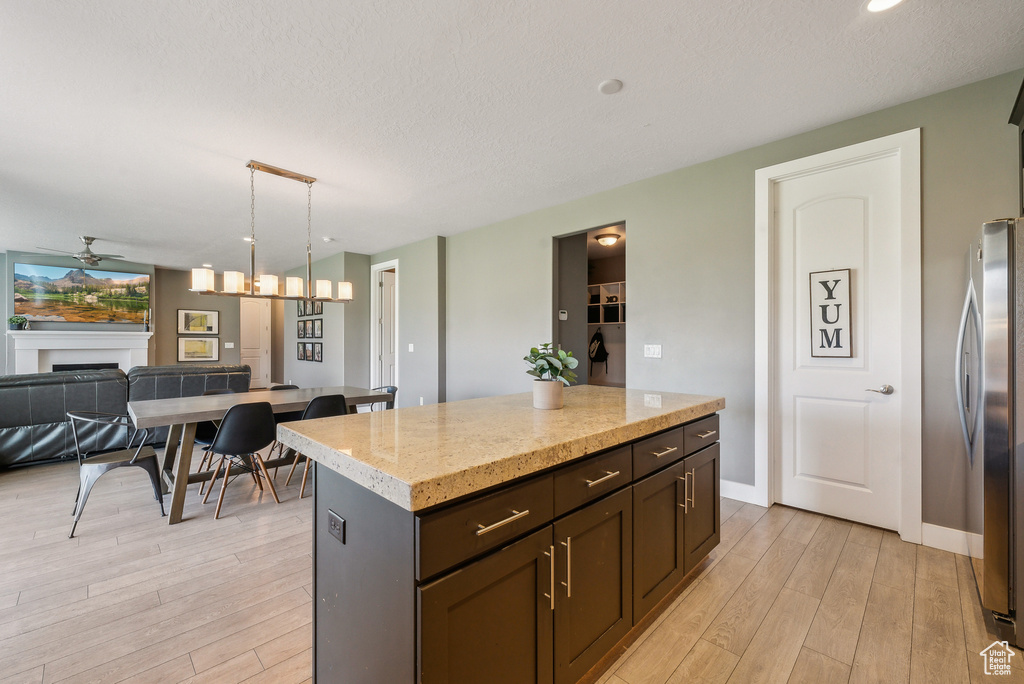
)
(608, 239)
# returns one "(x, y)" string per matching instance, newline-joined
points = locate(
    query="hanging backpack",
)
(598, 352)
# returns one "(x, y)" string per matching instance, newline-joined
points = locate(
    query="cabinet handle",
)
(659, 454)
(551, 564)
(705, 435)
(686, 495)
(609, 475)
(516, 515)
(568, 567)
(691, 477)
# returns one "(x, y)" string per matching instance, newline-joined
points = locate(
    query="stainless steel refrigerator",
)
(990, 350)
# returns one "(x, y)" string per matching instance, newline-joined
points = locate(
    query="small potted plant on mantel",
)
(553, 370)
(17, 322)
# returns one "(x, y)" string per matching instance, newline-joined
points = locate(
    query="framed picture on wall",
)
(318, 308)
(301, 307)
(309, 329)
(300, 353)
(301, 332)
(309, 308)
(194, 321)
(318, 352)
(198, 348)
(318, 328)
(309, 351)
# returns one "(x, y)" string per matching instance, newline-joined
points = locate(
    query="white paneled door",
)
(254, 337)
(839, 337)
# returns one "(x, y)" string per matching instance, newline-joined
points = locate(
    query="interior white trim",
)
(907, 146)
(375, 270)
(739, 492)
(954, 541)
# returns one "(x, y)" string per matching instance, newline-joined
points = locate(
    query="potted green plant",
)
(17, 322)
(552, 369)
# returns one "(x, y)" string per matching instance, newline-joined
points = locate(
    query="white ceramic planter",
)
(547, 394)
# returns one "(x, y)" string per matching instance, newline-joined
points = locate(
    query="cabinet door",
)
(594, 572)
(658, 563)
(491, 621)
(702, 520)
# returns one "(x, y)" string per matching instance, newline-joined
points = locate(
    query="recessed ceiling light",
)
(328, 239)
(610, 87)
(882, 5)
(607, 239)
(207, 265)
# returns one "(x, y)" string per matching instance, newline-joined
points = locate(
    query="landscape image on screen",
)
(79, 295)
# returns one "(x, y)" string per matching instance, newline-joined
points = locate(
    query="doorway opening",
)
(255, 339)
(590, 302)
(384, 328)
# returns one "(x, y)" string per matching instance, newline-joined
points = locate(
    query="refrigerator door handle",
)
(969, 311)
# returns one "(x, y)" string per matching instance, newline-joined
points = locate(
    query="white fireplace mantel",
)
(35, 351)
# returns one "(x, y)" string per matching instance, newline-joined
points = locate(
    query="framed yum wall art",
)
(831, 330)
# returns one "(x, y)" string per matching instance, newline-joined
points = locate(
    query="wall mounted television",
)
(79, 295)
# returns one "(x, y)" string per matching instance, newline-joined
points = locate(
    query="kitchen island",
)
(484, 540)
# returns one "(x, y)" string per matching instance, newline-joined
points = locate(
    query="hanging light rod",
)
(234, 281)
(283, 173)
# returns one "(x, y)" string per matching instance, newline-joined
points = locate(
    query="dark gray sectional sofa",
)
(34, 426)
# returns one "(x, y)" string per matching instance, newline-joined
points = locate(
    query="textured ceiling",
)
(132, 121)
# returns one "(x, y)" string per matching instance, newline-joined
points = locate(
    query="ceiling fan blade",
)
(59, 251)
(109, 256)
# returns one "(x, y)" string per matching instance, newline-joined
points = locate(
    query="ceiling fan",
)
(86, 256)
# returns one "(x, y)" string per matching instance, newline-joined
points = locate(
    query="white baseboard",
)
(740, 492)
(948, 539)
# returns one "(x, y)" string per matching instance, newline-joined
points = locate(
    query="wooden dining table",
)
(183, 414)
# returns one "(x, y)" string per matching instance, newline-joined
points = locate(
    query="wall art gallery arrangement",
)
(196, 322)
(310, 329)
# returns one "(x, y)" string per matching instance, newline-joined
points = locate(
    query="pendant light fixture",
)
(267, 285)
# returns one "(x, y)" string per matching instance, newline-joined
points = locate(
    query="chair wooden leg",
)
(263, 467)
(288, 480)
(223, 487)
(207, 456)
(257, 474)
(214, 478)
(305, 472)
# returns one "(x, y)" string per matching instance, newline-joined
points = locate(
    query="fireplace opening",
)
(84, 366)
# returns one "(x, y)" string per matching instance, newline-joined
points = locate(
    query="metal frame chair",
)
(390, 389)
(91, 468)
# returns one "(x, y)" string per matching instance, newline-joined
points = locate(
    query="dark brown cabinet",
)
(658, 555)
(594, 572)
(702, 506)
(491, 622)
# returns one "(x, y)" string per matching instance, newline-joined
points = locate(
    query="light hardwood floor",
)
(788, 596)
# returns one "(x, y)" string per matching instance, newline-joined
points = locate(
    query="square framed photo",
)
(318, 308)
(318, 328)
(198, 348)
(309, 329)
(301, 307)
(309, 351)
(300, 352)
(318, 352)
(195, 321)
(301, 331)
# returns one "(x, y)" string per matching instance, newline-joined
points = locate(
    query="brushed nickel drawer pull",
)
(568, 567)
(686, 493)
(691, 478)
(551, 564)
(608, 475)
(516, 515)
(705, 435)
(659, 454)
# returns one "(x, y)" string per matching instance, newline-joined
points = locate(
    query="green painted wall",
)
(691, 272)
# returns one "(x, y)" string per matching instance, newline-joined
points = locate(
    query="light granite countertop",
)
(422, 456)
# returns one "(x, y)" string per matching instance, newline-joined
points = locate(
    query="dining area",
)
(235, 431)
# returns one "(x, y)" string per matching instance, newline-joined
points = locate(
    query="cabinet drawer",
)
(701, 433)
(658, 451)
(455, 534)
(593, 478)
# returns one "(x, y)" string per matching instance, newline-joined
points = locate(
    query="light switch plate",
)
(652, 351)
(410, 346)
(229, 345)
